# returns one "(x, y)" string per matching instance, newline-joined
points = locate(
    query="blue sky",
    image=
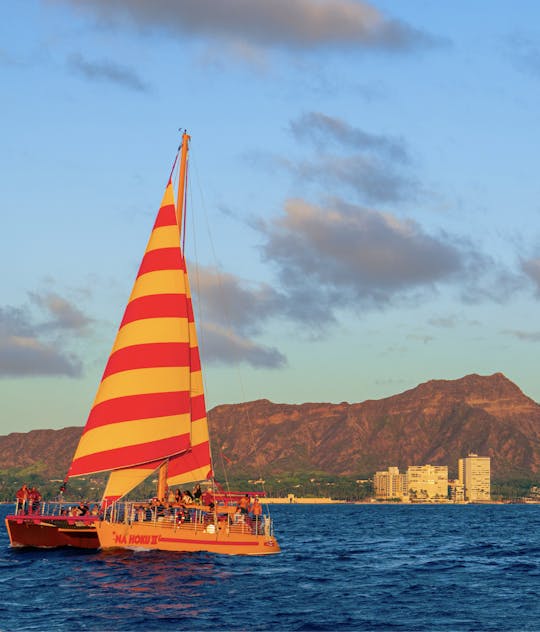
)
(364, 203)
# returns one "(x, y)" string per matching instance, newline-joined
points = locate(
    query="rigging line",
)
(199, 303)
(200, 332)
(226, 311)
(184, 209)
(174, 165)
(225, 472)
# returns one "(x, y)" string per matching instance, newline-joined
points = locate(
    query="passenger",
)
(256, 509)
(244, 504)
(160, 510)
(256, 514)
(197, 494)
(180, 516)
(187, 498)
(22, 499)
(207, 497)
(83, 508)
(34, 498)
(177, 496)
(95, 510)
(171, 498)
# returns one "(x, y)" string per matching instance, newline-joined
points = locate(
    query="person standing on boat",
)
(22, 499)
(208, 498)
(244, 504)
(34, 498)
(197, 494)
(256, 513)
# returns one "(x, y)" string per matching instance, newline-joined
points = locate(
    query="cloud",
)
(421, 338)
(223, 346)
(292, 24)
(524, 53)
(235, 311)
(64, 315)
(25, 345)
(372, 165)
(234, 303)
(321, 128)
(526, 336)
(446, 322)
(107, 71)
(531, 268)
(451, 321)
(373, 180)
(349, 256)
(22, 353)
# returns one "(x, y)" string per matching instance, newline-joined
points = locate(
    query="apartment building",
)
(427, 481)
(390, 484)
(475, 475)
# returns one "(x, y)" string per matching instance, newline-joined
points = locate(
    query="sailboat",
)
(149, 419)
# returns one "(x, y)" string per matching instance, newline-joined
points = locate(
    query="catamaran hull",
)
(183, 539)
(42, 532)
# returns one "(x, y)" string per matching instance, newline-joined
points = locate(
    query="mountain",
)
(437, 422)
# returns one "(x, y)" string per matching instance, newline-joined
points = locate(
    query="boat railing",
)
(189, 517)
(56, 509)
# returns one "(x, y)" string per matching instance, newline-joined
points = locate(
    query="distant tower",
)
(475, 476)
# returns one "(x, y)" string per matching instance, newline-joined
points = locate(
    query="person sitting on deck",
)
(22, 499)
(187, 498)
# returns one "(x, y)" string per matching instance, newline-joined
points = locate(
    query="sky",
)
(363, 197)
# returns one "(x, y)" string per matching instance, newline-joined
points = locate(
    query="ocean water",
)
(342, 567)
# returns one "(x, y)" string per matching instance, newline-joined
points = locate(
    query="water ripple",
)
(343, 567)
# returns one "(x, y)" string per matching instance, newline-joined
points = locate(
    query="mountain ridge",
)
(435, 422)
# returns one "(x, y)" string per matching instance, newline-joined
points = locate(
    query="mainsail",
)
(149, 407)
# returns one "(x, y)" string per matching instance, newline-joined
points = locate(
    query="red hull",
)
(52, 532)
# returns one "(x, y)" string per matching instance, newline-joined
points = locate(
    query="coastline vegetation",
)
(301, 484)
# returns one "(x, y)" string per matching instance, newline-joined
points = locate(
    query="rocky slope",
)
(437, 422)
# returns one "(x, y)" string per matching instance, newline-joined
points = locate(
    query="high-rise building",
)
(427, 481)
(390, 484)
(475, 476)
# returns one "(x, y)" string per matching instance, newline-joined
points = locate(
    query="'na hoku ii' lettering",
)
(136, 539)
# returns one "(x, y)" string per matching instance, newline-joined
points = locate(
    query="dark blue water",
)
(343, 567)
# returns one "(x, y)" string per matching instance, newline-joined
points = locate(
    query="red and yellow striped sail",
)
(150, 406)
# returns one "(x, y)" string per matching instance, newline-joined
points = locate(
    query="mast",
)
(182, 179)
(180, 214)
(162, 482)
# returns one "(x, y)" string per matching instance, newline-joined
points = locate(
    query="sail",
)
(150, 403)
(195, 464)
(121, 482)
